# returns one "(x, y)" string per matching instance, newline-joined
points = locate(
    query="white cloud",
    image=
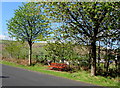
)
(14, 0)
(42, 42)
(4, 37)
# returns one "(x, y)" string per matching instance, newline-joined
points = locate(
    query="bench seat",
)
(59, 66)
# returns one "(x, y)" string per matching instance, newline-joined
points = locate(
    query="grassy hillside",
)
(14, 49)
(37, 48)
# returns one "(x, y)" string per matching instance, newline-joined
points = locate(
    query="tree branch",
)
(79, 24)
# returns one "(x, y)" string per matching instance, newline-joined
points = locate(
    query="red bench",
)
(58, 66)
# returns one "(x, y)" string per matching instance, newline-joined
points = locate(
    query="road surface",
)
(12, 76)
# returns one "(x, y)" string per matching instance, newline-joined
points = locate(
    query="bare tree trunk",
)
(18, 56)
(54, 59)
(118, 65)
(108, 57)
(89, 57)
(93, 62)
(99, 55)
(30, 53)
(107, 66)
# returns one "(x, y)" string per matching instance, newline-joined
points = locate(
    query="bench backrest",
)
(58, 64)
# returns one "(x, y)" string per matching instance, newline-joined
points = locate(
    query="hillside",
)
(39, 50)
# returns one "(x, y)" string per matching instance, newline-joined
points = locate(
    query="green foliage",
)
(61, 50)
(28, 23)
(86, 22)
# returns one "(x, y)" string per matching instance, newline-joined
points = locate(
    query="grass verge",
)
(78, 76)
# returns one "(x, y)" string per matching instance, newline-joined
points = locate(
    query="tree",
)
(28, 24)
(87, 21)
(64, 51)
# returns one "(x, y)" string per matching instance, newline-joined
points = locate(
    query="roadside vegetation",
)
(78, 76)
(78, 72)
(87, 40)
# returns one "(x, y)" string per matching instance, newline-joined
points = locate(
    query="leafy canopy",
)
(28, 22)
(86, 21)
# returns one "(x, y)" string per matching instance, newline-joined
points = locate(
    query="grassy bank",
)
(78, 76)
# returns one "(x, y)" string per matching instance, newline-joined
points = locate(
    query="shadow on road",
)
(4, 77)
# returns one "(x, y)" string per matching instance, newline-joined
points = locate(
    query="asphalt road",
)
(12, 76)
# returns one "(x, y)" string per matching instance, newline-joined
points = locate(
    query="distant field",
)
(37, 48)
